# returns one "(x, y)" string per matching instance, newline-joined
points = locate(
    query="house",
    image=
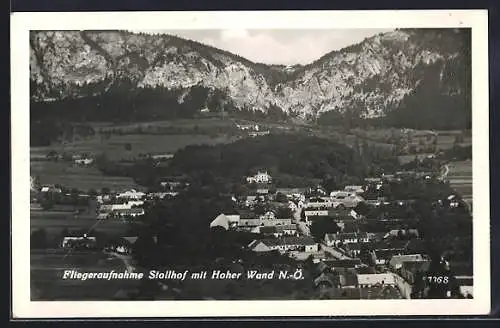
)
(354, 189)
(390, 177)
(343, 214)
(260, 177)
(348, 278)
(415, 246)
(335, 239)
(275, 222)
(129, 212)
(319, 203)
(375, 279)
(353, 249)
(161, 195)
(410, 270)
(248, 218)
(309, 214)
(262, 191)
(84, 161)
(108, 208)
(79, 242)
(327, 280)
(251, 201)
(279, 230)
(292, 206)
(344, 264)
(396, 262)
(162, 157)
(372, 180)
(346, 199)
(404, 233)
(259, 133)
(244, 127)
(51, 189)
(123, 245)
(348, 226)
(283, 244)
(291, 192)
(382, 257)
(131, 194)
(225, 221)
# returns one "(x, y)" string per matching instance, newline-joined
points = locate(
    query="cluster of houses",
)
(348, 259)
(252, 129)
(130, 203)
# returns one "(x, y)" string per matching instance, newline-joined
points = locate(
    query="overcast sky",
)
(285, 47)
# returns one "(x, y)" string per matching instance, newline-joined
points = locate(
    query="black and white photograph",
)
(193, 158)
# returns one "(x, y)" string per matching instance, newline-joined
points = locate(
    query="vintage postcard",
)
(211, 164)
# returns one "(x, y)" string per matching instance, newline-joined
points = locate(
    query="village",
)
(357, 248)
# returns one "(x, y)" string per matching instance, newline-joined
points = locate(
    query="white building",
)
(369, 280)
(225, 221)
(260, 177)
(84, 161)
(131, 194)
(354, 189)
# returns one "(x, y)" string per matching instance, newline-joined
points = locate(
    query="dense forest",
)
(308, 157)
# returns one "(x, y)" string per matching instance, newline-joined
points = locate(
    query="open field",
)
(201, 122)
(55, 222)
(460, 177)
(82, 178)
(114, 147)
(47, 268)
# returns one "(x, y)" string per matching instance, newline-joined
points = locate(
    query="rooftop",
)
(289, 240)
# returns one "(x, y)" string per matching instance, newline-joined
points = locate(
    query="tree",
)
(47, 204)
(39, 239)
(281, 198)
(284, 212)
(323, 225)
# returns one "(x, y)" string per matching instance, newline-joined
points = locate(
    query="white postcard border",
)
(22, 23)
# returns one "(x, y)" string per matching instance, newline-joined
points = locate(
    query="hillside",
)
(117, 74)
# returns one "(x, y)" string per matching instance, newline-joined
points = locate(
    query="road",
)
(338, 255)
(126, 259)
(302, 226)
(446, 170)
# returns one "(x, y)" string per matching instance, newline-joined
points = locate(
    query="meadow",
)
(115, 145)
(460, 177)
(55, 222)
(82, 178)
(47, 268)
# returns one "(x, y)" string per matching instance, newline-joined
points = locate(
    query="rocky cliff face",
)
(370, 79)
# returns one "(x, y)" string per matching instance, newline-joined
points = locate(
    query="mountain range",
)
(419, 78)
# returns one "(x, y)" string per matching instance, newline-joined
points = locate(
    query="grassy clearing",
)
(47, 269)
(114, 147)
(460, 177)
(82, 178)
(403, 159)
(55, 223)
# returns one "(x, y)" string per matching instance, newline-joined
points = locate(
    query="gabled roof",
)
(246, 214)
(415, 266)
(131, 240)
(377, 278)
(387, 254)
(289, 240)
(349, 263)
(398, 260)
(220, 221)
(344, 236)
